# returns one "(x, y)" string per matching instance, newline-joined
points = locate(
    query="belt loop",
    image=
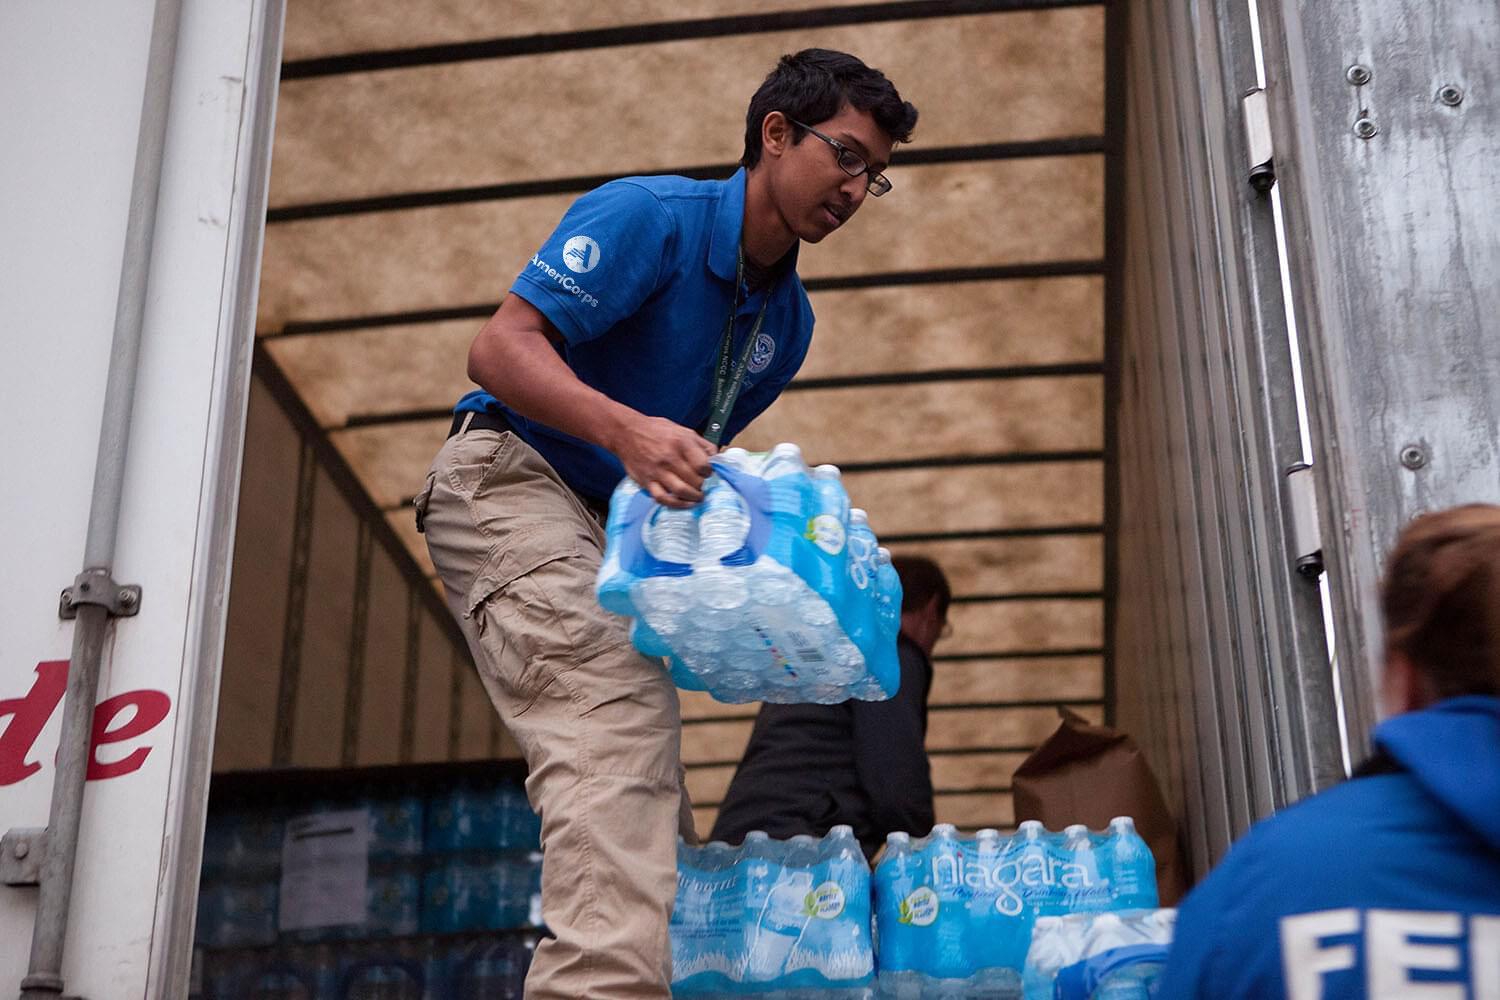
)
(468, 419)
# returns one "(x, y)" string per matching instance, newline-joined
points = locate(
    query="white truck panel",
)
(75, 73)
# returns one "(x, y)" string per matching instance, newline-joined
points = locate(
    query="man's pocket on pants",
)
(539, 593)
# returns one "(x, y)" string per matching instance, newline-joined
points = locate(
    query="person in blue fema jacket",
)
(1388, 885)
(659, 319)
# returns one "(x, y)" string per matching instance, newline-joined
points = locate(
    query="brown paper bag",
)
(1089, 774)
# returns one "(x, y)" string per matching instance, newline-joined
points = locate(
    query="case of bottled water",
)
(774, 919)
(771, 589)
(485, 968)
(396, 824)
(480, 816)
(1098, 956)
(237, 914)
(242, 840)
(954, 917)
(476, 892)
(385, 970)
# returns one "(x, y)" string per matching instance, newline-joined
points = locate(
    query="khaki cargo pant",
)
(597, 722)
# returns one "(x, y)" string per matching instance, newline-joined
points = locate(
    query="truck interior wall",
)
(1386, 294)
(257, 604)
(318, 696)
(1396, 274)
(334, 655)
(1221, 666)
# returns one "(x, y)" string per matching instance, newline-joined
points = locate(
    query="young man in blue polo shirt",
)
(659, 319)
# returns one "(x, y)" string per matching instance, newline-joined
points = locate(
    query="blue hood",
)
(1452, 749)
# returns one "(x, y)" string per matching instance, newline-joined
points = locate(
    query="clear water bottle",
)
(720, 589)
(1055, 944)
(1029, 852)
(984, 930)
(832, 499)
(772, 585)
(838, 937)
(789, 911)
(672, 535)
(666, 602)
(724, 524)
(828, 528)
(666, 595)
(1133, 866)
(739, 684)
(845, 663)
(785, 475)
(988, 848)
(768, 933)
(737, 458)
(863, 550)
(1086, 881)
(783, 460)
(814, 611)
(950, 956)
(802, 851)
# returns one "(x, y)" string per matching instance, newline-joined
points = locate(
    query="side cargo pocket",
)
(539, 593)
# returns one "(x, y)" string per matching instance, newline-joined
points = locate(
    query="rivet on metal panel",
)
(1357, 75)
(1365, 128)
(1413, 457)
(1450, 95)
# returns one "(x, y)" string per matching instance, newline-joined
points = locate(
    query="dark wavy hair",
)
(1441, 599)
(921, 581)
(813, 85)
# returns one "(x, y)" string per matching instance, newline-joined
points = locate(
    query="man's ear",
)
(930, 609)
(775, 133)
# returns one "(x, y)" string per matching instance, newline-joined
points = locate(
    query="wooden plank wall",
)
(424, 150)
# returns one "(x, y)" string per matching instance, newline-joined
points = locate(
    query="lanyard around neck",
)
(729, 375)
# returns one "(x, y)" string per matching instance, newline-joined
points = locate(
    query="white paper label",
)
(325, 869)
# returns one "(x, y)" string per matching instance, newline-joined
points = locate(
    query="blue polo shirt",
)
(638, 278)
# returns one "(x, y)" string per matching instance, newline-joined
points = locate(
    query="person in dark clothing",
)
(809, 768)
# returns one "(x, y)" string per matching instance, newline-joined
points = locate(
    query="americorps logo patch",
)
(762, 353)
(581, 254)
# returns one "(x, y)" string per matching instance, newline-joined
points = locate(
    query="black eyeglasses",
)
(851, 162)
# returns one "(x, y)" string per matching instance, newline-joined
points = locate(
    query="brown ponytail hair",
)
(1441, 599)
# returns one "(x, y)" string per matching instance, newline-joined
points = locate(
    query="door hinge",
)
(1261, 153)
(1307, 536)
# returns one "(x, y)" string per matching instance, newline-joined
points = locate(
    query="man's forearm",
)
(514, 360)
(516, 363)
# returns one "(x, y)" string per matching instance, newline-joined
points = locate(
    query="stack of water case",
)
(427, 887)
(770, 589)
(773, 919)
(957, 918)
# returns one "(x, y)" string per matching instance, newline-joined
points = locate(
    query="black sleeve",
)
(890, 751)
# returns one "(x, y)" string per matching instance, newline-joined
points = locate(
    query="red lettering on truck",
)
(30, 712)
